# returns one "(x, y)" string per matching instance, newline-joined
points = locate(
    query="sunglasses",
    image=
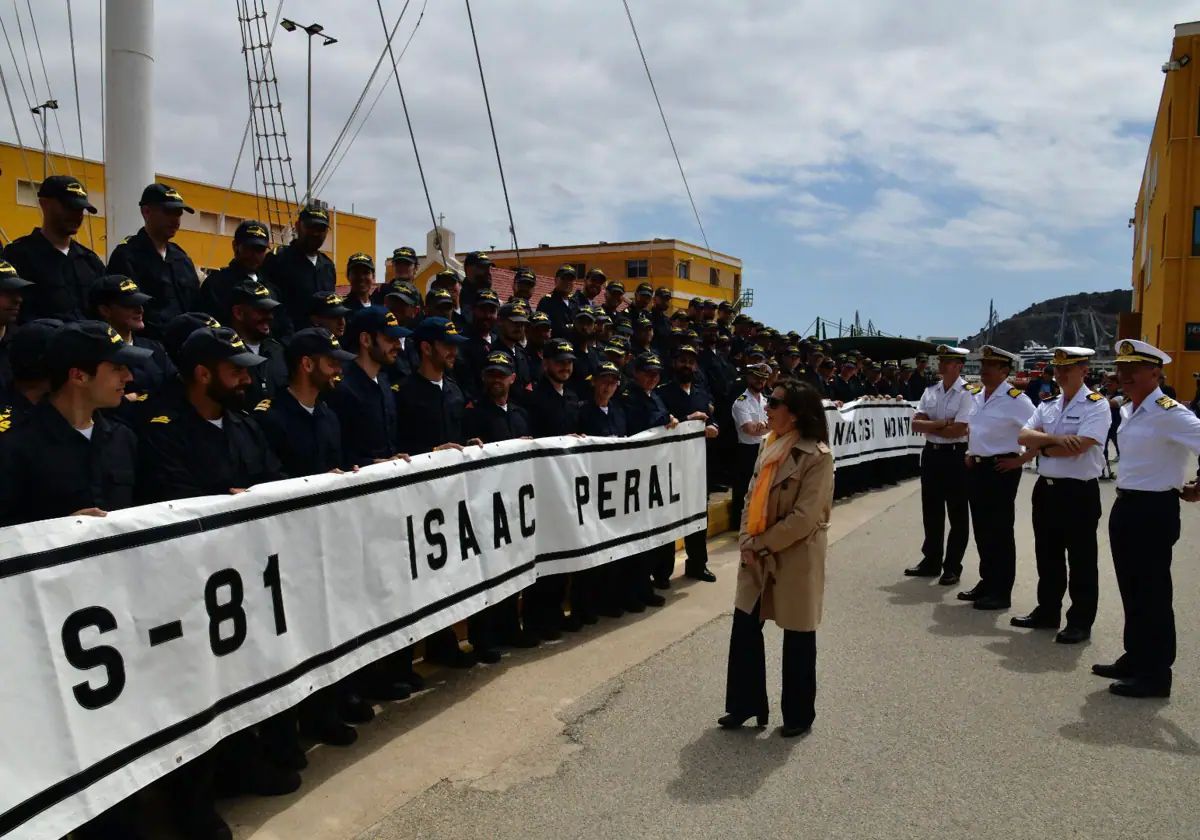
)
(774, 402)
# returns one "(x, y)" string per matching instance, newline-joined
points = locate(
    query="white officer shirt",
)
(994, 422)
(1158, 441)
(939, 404)
(749, 408)
(1087, 415)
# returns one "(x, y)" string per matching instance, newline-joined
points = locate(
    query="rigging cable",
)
(437, 236)
(37, 129)
(512, 228)
(663, 114)
(362, 124)
(16, 128)
(361, 97)
(42, 59)
(78, 117)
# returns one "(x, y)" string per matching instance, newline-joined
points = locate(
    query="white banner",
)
(867, 430)
(137, 641)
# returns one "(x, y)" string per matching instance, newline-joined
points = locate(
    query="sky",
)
(908, 161)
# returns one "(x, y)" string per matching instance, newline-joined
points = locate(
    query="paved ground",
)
(933, 720)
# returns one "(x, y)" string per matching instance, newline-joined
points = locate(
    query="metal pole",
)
(45, 146)
(308, 167)
(129, 127)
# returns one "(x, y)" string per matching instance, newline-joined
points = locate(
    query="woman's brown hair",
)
(803, 401)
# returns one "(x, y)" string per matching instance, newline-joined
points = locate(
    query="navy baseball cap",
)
(161, 195)
(404, 254)
(252, 293)
(559, 350)
(487, 297)
(360, 258)
(539, 319)
(404, 290)
(253, 232)
(27, 350)
(500, 361)
(314, 213)
(516, 312)
(10, 281)
(524, 276)
(434, 328)
(316, 341)
(328, 305)
(68, 189)
(118, 289)
(375, 320)
(565, 271)
(217, 344)
(606, 369)
(477, 258)
(439, 297)
(86, 343)
(181, 326)
(647, 361)
(615, 286)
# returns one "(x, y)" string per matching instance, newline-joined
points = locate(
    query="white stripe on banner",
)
(137, 641)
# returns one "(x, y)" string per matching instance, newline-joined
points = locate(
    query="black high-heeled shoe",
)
(735, 721)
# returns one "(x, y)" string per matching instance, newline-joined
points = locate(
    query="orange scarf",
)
(775, 449)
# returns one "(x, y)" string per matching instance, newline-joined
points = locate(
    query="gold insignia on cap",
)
(263, 405)
(499, 359)
(5, 268)
(128, 286)
(334, 300)
(451, 329)
(76, 188)
(113, 337)
(1060, 355)
(261, 291)
(255, 230)
(237, 342)
(1126, 348)
(390, 320)
(162, 418)
(173, 193)
(333, 342)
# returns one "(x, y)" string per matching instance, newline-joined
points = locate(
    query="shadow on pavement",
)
(958, 618)
(916, 590)
(728, 764)
(1110, 721)
(1036, 652)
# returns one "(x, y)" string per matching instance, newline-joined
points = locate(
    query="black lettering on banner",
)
(839, 432)
(99, 656)
(272, 581)
(633, 478)
(466, 531)
(219, 613)
(527, 529)
(672, 496)
(500, 532)
(435, 538)
(654, 497)
(604, 494)
(583, 495)
(412, 546)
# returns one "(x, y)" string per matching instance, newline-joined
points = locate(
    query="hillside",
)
(1040, 321)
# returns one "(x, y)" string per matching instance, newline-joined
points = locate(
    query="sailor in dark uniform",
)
(845, 386)
(299, 269)
(919, 380)
(118, 302)
(60, 268)
(404, 270)
(252, 314)
(328, 311)
(251, 241)
(472, 356)
(593, 282)
(11, 289)
(448, 280)
(360, 271)
(557, 304)
(640, 305)
(30, 378)
(160, 267)
(660, 319)
(478, 276)
(524, 282)
(614, 296)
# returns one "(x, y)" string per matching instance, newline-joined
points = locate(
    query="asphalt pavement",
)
(933, 720)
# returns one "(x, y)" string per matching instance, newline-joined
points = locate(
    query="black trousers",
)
(993, 498)
(544, 603)
(944, 495)
(1066, 513)
(1142, 529)
(695, 545)
(746, 676)
(743, 470)
(662, 562)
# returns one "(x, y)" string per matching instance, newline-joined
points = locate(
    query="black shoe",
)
(1072, 635)
(991, 602)
(971, 594)
(612, 611)
(732, 721)
(661, 583)
(353, 709)
(287, 756)
(704, 575)
(653, 600)
(588, 617)
(1036, 620)
(521, 639)
(488, 656)
(948, 579)
(258, 776)
(572, 623)
(384, 689)
(635, 606)
(547, 634)
(1116, 671)
(202, 822)
(794, 731)
(332, 732)
(924, 570)
(1141, 687)
(456, 657)
(415, 680)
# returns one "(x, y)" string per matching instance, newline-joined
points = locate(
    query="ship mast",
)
(129, 123)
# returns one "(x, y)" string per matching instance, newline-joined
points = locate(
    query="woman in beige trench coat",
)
(782, 575)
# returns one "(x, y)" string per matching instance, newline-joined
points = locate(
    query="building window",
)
(714, 277)
(684, 270)
(635, 269)
(580, 268)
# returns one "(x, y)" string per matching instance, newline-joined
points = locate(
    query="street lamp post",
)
(310, 30)
(42, 110)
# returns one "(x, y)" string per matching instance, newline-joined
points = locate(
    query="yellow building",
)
(686, 269)
(1166, 220)
(207, 235)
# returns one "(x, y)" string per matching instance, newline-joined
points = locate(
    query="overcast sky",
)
(909, 160)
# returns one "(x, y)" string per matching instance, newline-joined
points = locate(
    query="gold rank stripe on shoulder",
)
(5, 420)
(162, 418)
(396, 387)
(140, 397)
(742, 397)
(1015, 392)
(974, 389)
(1094, 397)
(1165, 402)
(263, 405)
